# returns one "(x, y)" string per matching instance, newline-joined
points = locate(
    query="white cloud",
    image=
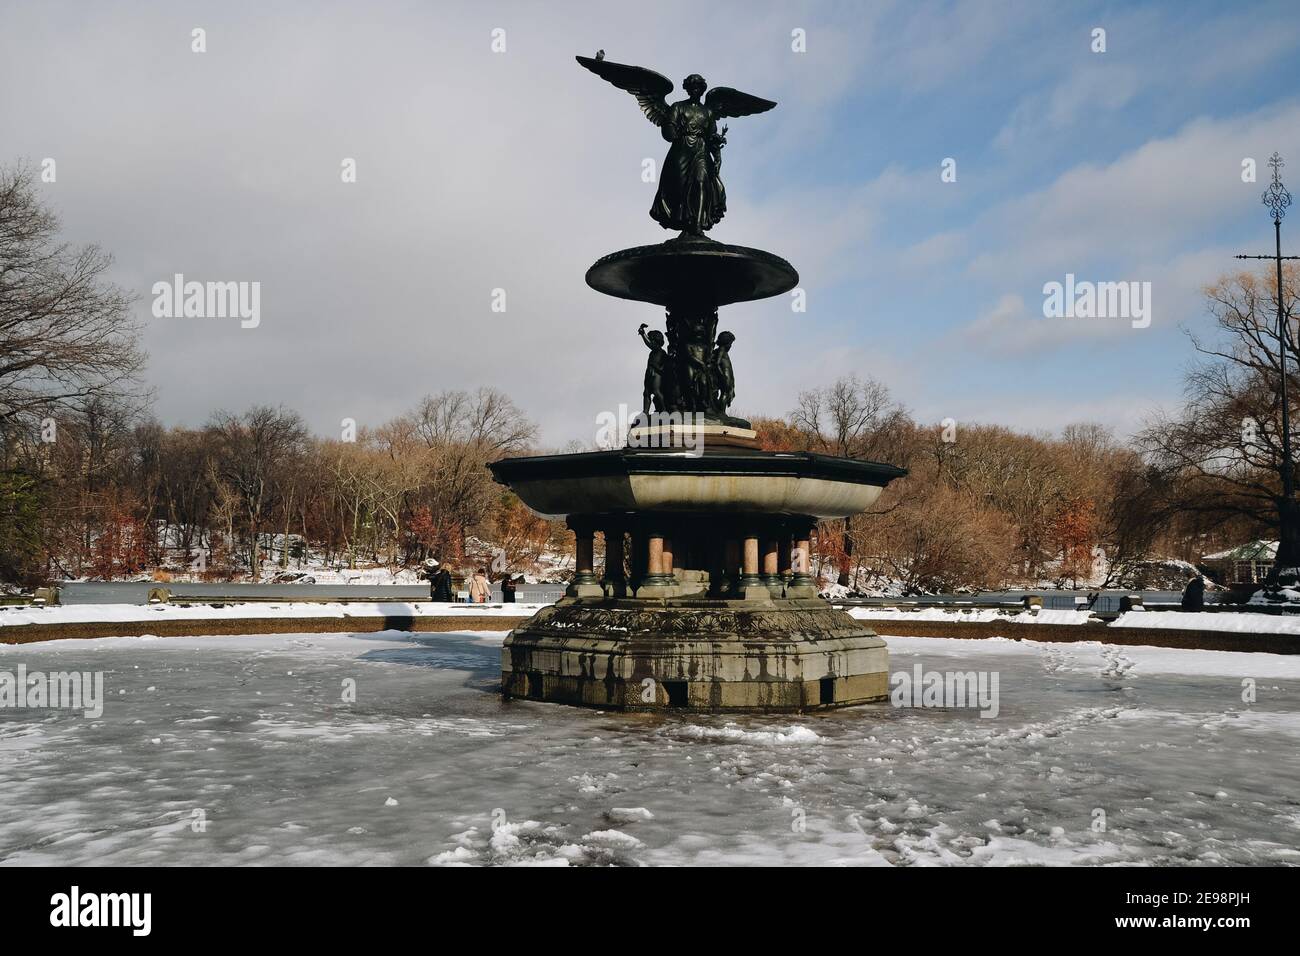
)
(479, 171)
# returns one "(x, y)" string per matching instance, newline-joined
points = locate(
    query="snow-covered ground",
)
(135, 613)
(379, 577)
(242, 750)
(960, 614)
(1243, 622)
(83, 613)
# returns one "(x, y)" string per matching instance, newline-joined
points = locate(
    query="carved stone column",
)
(784, 545)
(770, 577)
(730, 581)
(615, 580)
(585, 583)
(751, 584)
(802, 583)
(658, 580)
(639, 557)
(654, 556)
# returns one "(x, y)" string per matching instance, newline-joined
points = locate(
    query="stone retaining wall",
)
(966, 630)
(1074, 633)
(29, 633)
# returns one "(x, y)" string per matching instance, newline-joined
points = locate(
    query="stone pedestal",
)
(695, 654)
(714, 607)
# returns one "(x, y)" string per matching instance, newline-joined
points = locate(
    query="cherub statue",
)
(724, 378)
(690, 197)
(655, 365)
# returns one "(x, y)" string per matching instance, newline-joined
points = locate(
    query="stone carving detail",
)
(780, 624)
(694, 373)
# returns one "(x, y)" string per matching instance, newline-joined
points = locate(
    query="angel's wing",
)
(649, 88)
(723, 101)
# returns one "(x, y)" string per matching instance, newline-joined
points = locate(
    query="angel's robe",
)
(690, 195)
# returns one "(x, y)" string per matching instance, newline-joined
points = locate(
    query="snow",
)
(1260, 550)
(1272, 597)
(1242, 622)
(630, 814)
(136, 613)
(430, 766)
(969, 614)
(733, 734)
(379, 577)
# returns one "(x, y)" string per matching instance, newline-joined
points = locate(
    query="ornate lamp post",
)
(1277, 199)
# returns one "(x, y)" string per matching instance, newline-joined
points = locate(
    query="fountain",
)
(706, 601)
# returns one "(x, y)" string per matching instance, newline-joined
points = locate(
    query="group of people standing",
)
(478, 586)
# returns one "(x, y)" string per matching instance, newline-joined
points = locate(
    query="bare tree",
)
(66, 333)
(185, 491)
(462, 432)
(1220, 457)
(851, 418)
(254, 454)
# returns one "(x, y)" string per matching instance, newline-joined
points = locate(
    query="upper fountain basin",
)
(692, 271)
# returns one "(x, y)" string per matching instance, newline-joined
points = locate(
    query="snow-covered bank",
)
(428, 765)
(1229, 622)
(971, 614)
(1220, 621)
(136, 613)
(1238, 622)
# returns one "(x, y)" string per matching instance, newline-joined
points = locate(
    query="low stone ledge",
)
(1189, 638)
(204, 627)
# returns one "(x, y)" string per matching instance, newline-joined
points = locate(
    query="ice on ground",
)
(629, 814)
(395, 748)
(795, 734)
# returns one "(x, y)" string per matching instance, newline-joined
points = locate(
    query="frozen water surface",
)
(429, 765)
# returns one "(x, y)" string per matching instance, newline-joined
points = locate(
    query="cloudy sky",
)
(480, 170)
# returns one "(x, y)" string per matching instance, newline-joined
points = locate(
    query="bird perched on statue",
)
(600, 54)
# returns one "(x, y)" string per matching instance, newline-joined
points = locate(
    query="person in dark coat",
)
(1194, 594)
(440, 586)
(508, 588)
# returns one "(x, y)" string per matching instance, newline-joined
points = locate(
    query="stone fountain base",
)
(695, 654)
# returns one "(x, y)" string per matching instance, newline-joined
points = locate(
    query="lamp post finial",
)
(1276, 197)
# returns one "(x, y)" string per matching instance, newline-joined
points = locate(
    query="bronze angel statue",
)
(690, 196)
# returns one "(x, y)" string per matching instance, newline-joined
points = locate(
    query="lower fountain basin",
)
(720, 481)
(689, 618)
